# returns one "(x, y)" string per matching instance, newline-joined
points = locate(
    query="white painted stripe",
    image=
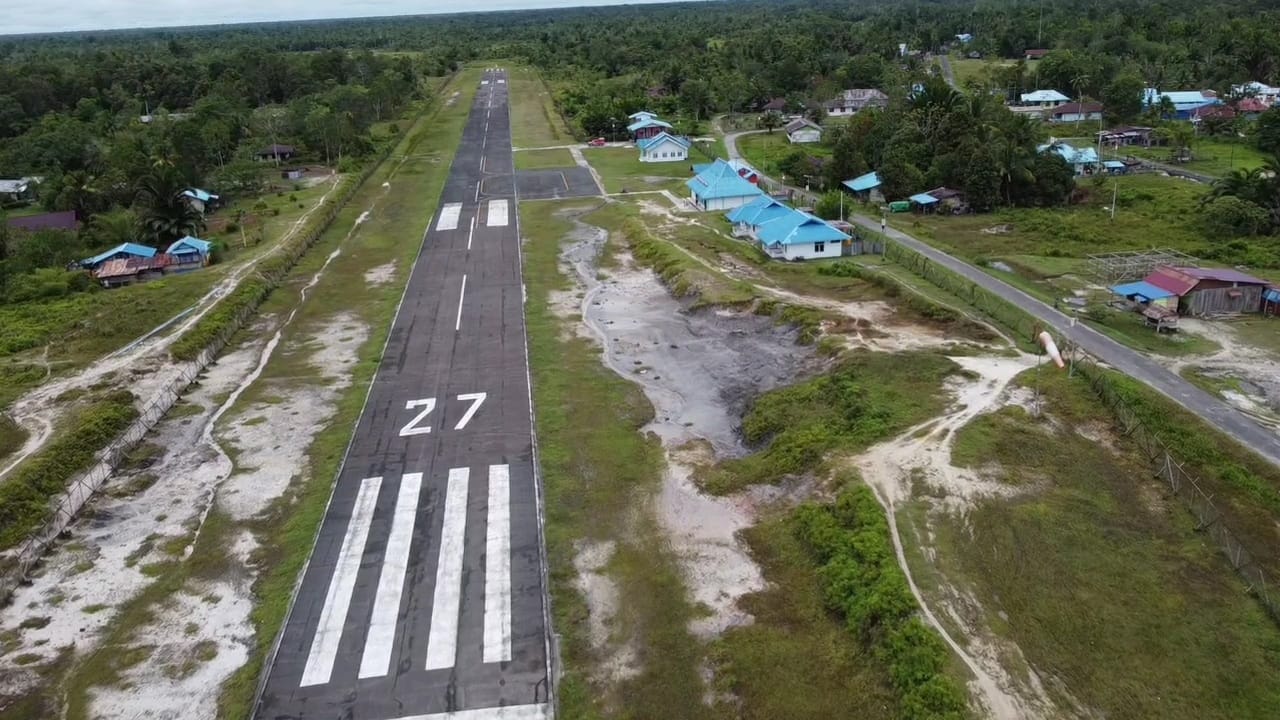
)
(457, 323)
(501, 81)
(484, 82)
(333, 616)
(497, 567)
(471, 233)
(449, 215)
(442, 642)
(376, 661)
(499, 214)
(509, 712)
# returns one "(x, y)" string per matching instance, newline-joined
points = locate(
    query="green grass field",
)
(1099, 575)
(621, 169)
(543, 159)
(766, 150)
(967, 70)
(535, 121)
(1211, 156)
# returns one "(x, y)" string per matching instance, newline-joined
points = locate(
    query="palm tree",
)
(113, 227)
(167, 215)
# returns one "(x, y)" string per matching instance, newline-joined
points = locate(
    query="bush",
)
(861, 579)
(46, 283)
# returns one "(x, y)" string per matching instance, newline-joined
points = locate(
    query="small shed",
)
(189, 253)
(126, 271)
(1221, 291)
(801, 130)
(122, 251)
(864, 186)
(277, 153)
(924, 202)
(1145, 293)
(292, 174)
(202, 200)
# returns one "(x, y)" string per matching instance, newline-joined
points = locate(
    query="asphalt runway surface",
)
(425, 592)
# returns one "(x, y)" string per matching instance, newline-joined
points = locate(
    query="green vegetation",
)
(12, 436)
(862, 581)
(1211, 156)
(1095, 571)
(814, 671)
(621, 170)
(867, 397)
(26, 495)
(544, 159)
(598, 471)
(772, 154)
(535, 121)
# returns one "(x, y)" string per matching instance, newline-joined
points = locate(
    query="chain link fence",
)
(1167, 467)
(82, 487)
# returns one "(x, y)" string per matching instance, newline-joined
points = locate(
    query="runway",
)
(424, 594)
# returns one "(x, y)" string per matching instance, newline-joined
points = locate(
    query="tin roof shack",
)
(126, 271)
(1220, 291)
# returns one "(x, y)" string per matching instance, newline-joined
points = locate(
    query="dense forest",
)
(71, 105)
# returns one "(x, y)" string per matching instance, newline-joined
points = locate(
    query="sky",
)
(17, 16)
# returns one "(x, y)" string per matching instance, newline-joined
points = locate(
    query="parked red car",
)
(598, 142)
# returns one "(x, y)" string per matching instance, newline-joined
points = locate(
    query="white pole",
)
(1115, 193)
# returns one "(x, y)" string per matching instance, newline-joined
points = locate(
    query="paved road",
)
(947, 74)
(1208, 407)
(425, 591)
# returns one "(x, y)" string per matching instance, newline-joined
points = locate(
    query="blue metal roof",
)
(923, 199)
(642, 115)
(648, 142)
(797, 228)
(758, 212)
(1271, 295)
(198, 194)
(720, 181)
(648, 122)
(1142, 289)
(190, 244)
(133, 249)
(862, 183)
(1073, 156)
(1113, 164)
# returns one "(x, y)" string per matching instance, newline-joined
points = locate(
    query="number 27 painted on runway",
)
(413, 427)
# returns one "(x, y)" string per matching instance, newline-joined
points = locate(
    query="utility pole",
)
(1115, 194)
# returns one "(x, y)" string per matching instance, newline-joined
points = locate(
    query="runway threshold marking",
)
(499, 214)
(442, 642)
(333, 616)
(449, 215)
(376, 661)
(507, 712)
(462, 294)
(497, 569)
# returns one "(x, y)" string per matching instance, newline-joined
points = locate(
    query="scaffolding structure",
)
(1118, 267)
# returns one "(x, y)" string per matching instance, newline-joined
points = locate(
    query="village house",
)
(854, 101)
(1266, 94)
(123, 251)
(20, 190)
(1126, 135)
(721, 186)
(126, 271)
(641, 115)
(1035, 54)
(664, 147)
(1076, 112)
(777, 105)
(646, 128)
(201, 201)
(276, 153)
(801, 130)
(865, 187)
(1084, 161)
(189, 253)
(1185, 102)
(1043, 99)
(800, 236)
(747, 219)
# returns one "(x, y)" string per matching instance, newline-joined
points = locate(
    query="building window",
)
(819, 247)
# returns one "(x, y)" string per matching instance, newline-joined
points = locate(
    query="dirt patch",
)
(1256, 372)
(620, 659)
(380, 275)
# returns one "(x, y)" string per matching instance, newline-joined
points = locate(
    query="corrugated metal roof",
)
(923, 199)
(1142, 289)
(758, 211)
(648, 122)
(133, 249)
(862, 183)
(721, 180)
(124, 267)
(1113, 164)
(1170, 279)
(1221, 275)
(14, 186)
(190, 244)
(1073, 156)
(198, 194)
(1044, 96)
(646, 143)
(641, 115)
(797, 228)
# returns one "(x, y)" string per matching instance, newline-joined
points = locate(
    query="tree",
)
(1123, 97)
(1179, 136)
(1229, 216)
(695, 95)
(1267, 132)
(771, 121)
(111, 228)
(167, 216)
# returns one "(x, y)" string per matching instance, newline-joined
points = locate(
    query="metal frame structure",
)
(1117, 267)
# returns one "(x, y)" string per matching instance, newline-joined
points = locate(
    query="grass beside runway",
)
(544, 159)
(620, 169)
(1097, 573)
(535, 121)
(599, 472)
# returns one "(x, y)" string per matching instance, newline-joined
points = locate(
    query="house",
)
(801, 130)
(65, 220)
(1126, 135)
(1044, 99)
(1083, 160)
(664, 147)
(1144, 294)
(1225, 113)
(20, 190)
(1265, 94)
(647, 128)
(123, 251)
(1035, 54)
(1185, 102)
(800, 236)
(1214, 291)
(924, 202)
(965, 37)
(189, 253)
(775, 105)
(642, 115)
(276, 153)
(126, 271)
(292, 174)
(201, 200)
(853, 101)
(948, 199)
(1250, 107)
(749, 218)
(865, 187)
(1076, 112)
(719, 186)
(1115, 167)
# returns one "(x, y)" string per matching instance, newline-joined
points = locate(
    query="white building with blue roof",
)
(664, 147)
(718, 186)
(748, 218)
(1083, 160)
(800, 236)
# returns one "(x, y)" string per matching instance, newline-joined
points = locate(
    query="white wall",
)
(728, 203)
(807, 135)
(806, 252)
(675, 153)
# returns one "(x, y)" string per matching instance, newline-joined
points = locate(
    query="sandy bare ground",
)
(144, 365)
(1257, 370)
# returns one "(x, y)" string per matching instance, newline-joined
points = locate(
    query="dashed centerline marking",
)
(471, 233)
(462, 294)
(442, 642)
(324, 646)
